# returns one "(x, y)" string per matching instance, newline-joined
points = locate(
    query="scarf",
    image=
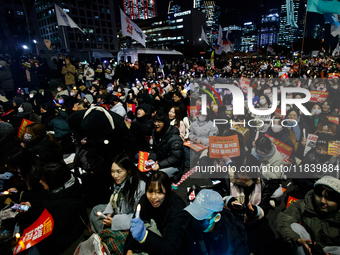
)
(267, 156)
(117, 197)
(296, 129)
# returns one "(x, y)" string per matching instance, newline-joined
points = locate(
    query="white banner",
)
(131, 29)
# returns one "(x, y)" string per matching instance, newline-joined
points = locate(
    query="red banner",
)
(22, 128)
(130, 107)
(220, 146)
(282, 148)
(143, 157)
(35, 233)
(318, 96)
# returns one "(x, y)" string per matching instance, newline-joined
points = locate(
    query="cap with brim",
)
(206, 203)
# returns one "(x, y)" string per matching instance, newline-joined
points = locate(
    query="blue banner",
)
(324, 6)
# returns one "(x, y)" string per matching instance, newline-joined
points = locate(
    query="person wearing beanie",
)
(167, 147)
(210, 223)
(311, 224)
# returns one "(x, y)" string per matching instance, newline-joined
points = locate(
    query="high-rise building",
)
(269, 28)
(249, 37)
(140, 9)
(95, 18)
(174, 8)
(212, 15)
(287, 34)
(319, 32)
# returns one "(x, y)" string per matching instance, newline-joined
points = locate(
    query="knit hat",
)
(329, 181)
(89, 98)
(5, 129)
(18, 100)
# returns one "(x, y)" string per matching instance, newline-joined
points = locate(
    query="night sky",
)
(234, 12)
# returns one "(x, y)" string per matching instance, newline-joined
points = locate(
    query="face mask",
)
(187, 83)
(59, 89)
(20, 109)
(287, 108)
(262, 82)
(335, 87)
(316, 111)
(119, 90)
(276, 83)
(276, 128)
(202, 118)
(262, 101)
(61, 101)
(31, 95)
(203, 225)
(72, 94)
(27, 137)
(43, 93)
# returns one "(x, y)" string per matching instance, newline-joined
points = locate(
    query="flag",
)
(336, 51)
(129, 28)
(220, 36)
(334, 20)
(64, 20)
(203, 36)
(271, 50)
(290, 14)
(322, 6)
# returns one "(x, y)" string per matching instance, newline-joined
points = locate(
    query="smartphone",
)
(20, 207)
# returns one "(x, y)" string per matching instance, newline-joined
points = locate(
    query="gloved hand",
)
(251, 210)
(137, 229)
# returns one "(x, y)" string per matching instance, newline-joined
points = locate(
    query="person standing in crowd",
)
(89, 75)
(69, 71)
(6, 79)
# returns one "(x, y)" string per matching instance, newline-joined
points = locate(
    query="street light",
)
(25, 47)
(35, 41)
(200, 39)
(36, 46)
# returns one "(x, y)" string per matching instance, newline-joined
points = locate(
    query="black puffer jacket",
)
(168, 150)
(142, 127)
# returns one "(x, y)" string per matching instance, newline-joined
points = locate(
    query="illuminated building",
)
(269, 28)
(140, 9)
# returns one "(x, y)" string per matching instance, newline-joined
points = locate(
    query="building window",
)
(79, 45)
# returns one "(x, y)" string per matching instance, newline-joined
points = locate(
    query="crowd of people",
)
(108, 115)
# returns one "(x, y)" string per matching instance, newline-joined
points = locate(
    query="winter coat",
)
(171, 220)
(141, 128)
(69, 71)
(65, 206)
(227, 238)
(202, 130)
(325, 232)
(123, 215)
(181, 128)
(89, 73)
(169, 151)
(59, 126)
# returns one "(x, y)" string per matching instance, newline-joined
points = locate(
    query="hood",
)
(146, 108)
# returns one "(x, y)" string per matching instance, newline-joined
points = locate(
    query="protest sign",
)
(282, 148)
(318, 96)
(195, 146)
(35, 233)
(22, 128)
(333, 119)
(130, 107)
(333, 148)
(193, 110)
(290, 200)
(311, 143)
(220, 146)
(143, 157)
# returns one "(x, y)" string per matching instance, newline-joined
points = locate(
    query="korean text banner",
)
(38, 231)
(129, 28)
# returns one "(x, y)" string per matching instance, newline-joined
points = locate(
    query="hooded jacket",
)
(325, 232)
(142, 127)
(202, 130)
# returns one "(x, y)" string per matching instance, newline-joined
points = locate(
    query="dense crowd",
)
(106, 115)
